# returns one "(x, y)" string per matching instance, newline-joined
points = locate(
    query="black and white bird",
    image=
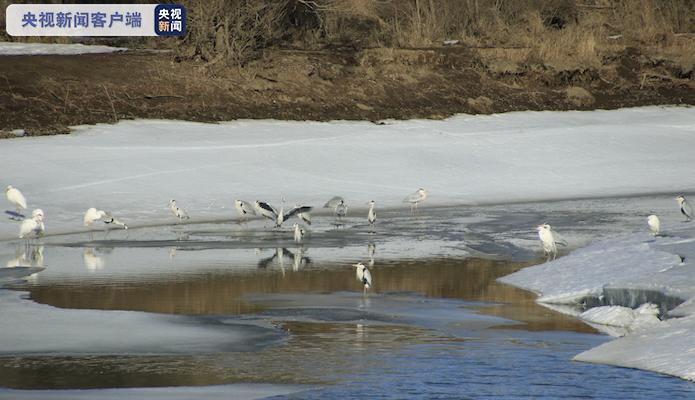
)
(298, 233)
(654, 224)
(415, 198)
(268, 211)
(371, 215)
(111, 220)
(685, 207)
(17, 199)
(363, 276)
(341, 209)
(32, 227)
(244, 208)
(178, 212)
(550, 240)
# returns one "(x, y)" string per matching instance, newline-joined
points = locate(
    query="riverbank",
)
(47, 94)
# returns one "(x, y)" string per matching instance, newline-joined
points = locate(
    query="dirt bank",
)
(47, 94)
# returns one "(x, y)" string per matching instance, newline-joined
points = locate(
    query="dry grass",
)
(561, 34)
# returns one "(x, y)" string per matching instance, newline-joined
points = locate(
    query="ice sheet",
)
(134, 168)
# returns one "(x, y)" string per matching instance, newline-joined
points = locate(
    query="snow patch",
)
(17, 49)
(133, 168)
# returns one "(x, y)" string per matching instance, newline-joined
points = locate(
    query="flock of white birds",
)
(34, 227)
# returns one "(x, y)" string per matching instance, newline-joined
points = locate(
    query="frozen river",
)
(243, 308)
(215, 308)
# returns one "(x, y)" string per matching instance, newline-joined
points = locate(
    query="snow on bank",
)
(134, 167)
(17, 49)
(634, 262)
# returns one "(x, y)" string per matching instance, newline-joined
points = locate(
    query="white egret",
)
(685, 207)
(363, 276)
(654, 224)
(16, 197)
(268, 211)
(371, 215)
(244, 208)
(550, 240)
(92, 215)
(32, 227)
(333, 202)
(415, 198)
(178, 212)
(298, 233)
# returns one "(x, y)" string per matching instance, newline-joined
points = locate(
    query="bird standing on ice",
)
(178, 212)
(32, 227)
(298, 233)
(363, 275)
(93, 215)
(415, 198)
(16, 197)
(549, 239)
(685, 207)
(341, 209)
(244, 208)
(654, 224)
(371, 215)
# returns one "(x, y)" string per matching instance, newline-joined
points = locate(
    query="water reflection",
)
(223, 292)
(91, 260)
(26, 256)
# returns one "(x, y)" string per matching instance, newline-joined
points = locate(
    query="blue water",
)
(514, 364)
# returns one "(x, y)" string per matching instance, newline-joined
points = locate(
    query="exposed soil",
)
(47, 94)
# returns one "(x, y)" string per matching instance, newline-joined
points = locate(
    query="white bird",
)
(371, 215)
(268, 211)
(685, 207)
(178, 212)
(550, 240)
(333, 202)
(415, 198)
(298, 233)
(341, 209)
(654, 224)
(92, 215)
(32, 226)
(363, 276)
(16, 197)
(244, 208)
